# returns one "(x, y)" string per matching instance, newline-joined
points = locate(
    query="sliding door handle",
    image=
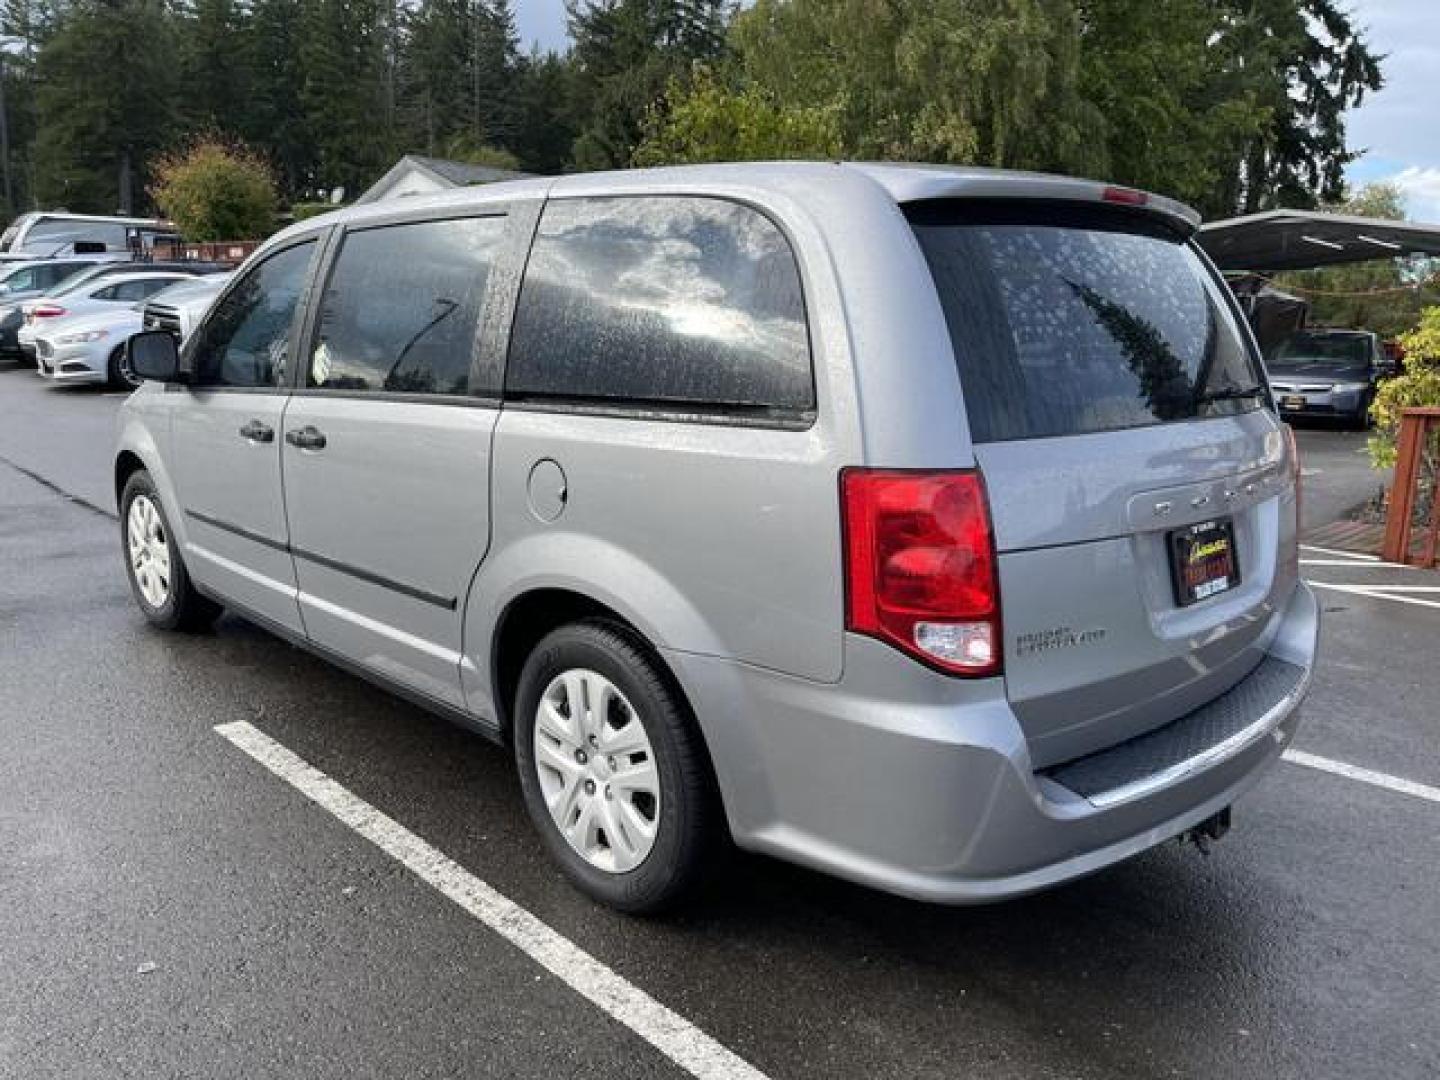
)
(306, 438)
(255, 431)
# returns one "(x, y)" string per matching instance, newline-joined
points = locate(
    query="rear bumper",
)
(1321, 402)
(917, 784)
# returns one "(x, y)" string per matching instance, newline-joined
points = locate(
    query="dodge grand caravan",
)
(931, 527)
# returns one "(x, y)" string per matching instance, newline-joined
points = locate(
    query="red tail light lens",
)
(1124, 196)
(49, 311)
(920, 566)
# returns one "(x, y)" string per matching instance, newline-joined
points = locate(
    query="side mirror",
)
(153, 355)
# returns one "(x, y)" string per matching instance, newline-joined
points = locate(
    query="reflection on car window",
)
(1062, 329)
(60, 233)
(661, 299)
(246, 341)
(402, 305)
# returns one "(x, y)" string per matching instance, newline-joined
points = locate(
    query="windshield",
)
(1067, 321)
(77, 279)
(1344, 351)
(20, 278)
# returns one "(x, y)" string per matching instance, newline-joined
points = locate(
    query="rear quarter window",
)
(665, 300)
(1072, 322)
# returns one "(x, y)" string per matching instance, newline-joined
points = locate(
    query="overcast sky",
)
(1399, 128)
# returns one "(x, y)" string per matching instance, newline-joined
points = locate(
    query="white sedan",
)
(109, 292)
(87, 348)
(91, 348)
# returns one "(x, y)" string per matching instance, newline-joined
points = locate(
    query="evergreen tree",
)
(626, 52)
(343, 71)
(213, 66)
(106, 100)
(271, 118)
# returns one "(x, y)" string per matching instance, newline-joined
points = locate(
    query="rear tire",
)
(158, 578)
(640, 844)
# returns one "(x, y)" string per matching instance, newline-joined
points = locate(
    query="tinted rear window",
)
(1066, 325)
(688, 301)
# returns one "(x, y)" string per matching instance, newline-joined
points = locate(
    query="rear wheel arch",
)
(528, 617)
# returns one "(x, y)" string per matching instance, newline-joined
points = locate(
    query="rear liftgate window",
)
(677, 302)
(1066, 322)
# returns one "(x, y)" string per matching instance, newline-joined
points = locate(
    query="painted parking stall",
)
(403, 923)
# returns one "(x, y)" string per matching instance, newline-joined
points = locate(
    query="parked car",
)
(931, 527)
(90, 347)
(94, 294)
(180, 308)
(21, 281)
(50, 233)
(1329, 373)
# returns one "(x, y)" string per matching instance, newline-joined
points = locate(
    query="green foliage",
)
(105, 101)
(462, 148)
(216, 191)
(929, 80)
(1232, 105)
(1419, 386)
(707, 121)
(626, 54)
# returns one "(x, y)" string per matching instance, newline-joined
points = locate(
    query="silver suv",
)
(931, 527)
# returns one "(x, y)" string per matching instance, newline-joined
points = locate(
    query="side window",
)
(690, 301)
(140, 290)
(109, 292)
(246, 340)
(21, 280)
(402, 305)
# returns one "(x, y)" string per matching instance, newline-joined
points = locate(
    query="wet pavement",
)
(171, 908)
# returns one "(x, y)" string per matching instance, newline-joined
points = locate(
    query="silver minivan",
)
(931, 527)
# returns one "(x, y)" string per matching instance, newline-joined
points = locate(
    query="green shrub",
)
(1419, 386)
(216, 190)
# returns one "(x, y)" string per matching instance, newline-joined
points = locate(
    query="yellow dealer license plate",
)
(1203, 561)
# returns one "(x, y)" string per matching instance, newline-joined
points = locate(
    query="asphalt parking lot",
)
(177, 901)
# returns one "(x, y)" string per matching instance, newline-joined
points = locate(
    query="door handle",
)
(255, 431)
(306, 438)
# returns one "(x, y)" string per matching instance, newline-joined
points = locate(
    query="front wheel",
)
(118, 372)
(158, 579)
(612, 767)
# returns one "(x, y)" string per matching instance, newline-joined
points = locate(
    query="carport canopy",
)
(1276, 240)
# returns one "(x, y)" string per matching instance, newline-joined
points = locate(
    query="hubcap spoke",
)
(149, 550)
(596, 769)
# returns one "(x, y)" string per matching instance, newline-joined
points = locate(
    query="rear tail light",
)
(1124, 196)
(920, 566)
(49, 311)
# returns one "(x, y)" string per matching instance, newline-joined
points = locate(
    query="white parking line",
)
(1352, 564)
(1355, 555)
(674, 1036)
(1361, 590)
(1364, 776)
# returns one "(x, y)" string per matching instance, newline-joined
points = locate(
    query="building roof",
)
(445, 173)
(1276, 240)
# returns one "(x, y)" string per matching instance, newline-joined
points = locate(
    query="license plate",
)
(1203, 562)
(1293, 401)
